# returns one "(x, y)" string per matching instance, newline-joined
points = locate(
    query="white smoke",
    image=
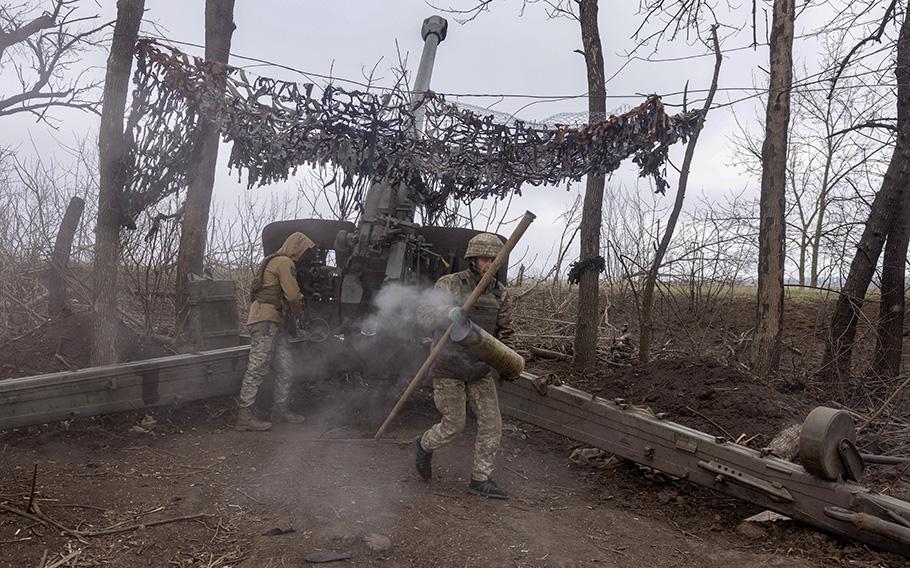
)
(396, 310)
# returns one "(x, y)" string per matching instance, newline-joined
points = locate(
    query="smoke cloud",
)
(402, 311)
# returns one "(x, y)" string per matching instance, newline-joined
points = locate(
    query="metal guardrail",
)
(101, 390)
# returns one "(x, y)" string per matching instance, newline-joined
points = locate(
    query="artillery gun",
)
(342, 275)
(341, 278)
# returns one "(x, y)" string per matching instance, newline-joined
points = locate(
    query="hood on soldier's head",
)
(295, 246)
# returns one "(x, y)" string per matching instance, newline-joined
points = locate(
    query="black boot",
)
(487, 488)
(424, 460)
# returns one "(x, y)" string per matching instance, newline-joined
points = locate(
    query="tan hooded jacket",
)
(280, 272)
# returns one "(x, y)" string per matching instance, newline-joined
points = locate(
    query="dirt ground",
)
(327, 479)
(334, 486)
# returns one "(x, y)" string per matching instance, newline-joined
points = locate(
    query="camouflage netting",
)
(277, 126)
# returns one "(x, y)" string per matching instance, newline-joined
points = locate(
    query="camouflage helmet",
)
(483, 245)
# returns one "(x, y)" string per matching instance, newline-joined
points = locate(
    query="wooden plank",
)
(100, 390)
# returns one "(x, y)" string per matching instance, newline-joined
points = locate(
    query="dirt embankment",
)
(65, 344)
(697, 392)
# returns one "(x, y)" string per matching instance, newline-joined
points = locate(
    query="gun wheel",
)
(819, 440)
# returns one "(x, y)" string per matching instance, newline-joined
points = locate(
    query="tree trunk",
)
(60, 258)
(886, 360)
(842, 331)
(219, 27)
(822, 205)
(589, 283)
(766, 345)
(111, 146)
(647, 294)
(888, 200)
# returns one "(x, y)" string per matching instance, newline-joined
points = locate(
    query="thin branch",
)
(876, 36)
(867, 124)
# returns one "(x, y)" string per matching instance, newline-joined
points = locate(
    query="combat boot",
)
(248, 422)
(281, 413)
(487, 488)
(424, 460)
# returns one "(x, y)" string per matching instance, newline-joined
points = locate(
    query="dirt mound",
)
(698, 392)
(65, 344)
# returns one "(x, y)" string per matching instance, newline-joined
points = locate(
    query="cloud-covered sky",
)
(505, 50)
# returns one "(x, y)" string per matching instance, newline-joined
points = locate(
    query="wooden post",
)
(60, 258)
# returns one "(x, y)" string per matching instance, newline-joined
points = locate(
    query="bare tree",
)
(882, 214)
(585, 348)
(43, 52)
(890, 337)
(110, 214)
(826, 154)
(772, 214)
(647, 300)
(147, 262)
(219, 28)
(327, 194)
(570, 221)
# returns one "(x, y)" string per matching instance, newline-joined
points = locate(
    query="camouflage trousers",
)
(268, 344)
(449, 395)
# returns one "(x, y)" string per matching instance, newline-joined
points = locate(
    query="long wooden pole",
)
(516, 235)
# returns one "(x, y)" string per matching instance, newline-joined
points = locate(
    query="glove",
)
(501, 377)
(458, 315)
(511, 379)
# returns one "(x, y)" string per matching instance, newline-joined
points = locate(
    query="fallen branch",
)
(21, 513)
(883, 406)
(550, 320)
(66, 363)
(44, 520)
(64, 560)
(713, 423)
(547, 353)
(144, 525)
(884, 460)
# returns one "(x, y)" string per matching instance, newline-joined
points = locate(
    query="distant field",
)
(737, 291)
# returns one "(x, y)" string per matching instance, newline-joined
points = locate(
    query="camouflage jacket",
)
(492, 311)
